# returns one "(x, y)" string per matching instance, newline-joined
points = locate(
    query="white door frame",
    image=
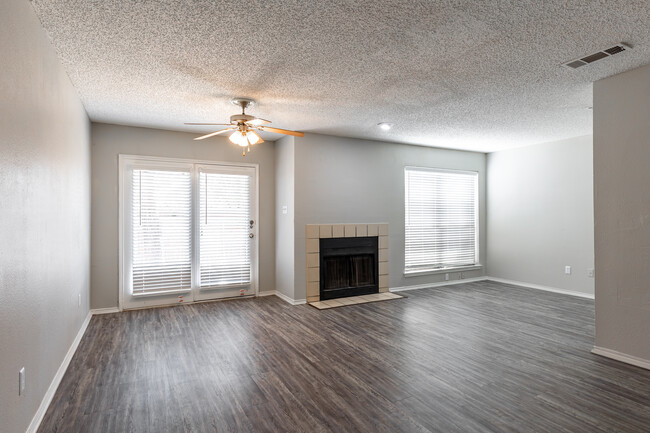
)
(123, 161)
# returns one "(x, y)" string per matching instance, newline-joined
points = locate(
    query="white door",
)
(188, 231)
(226, 233)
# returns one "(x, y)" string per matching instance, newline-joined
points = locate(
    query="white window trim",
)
(448, 269)
(123, 160)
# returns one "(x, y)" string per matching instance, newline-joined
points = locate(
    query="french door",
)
(188, 231)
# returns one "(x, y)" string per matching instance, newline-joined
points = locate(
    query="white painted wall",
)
(108, 141)
(622, 212)
(284, 223)
(346, 180)
(45, 202)
(540, 214)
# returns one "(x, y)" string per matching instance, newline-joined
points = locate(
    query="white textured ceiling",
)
(475, 75)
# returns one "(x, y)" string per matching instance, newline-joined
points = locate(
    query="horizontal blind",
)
(441, 219)
(225, 213)
(162, 225)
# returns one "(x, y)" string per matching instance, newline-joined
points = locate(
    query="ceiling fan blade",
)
(218, 124)
(258, 121)
(282, 131)
(214, 133)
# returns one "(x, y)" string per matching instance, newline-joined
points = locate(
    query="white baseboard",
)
(628, 359)
(497, 280)
(290, 300)
(540, 287)
(49, 394)
(111, 310)
(437, 284)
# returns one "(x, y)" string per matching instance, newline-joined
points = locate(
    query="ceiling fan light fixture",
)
(238, 138)
(253, 137)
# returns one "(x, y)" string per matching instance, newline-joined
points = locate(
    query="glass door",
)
(188, 231)
(226, 233)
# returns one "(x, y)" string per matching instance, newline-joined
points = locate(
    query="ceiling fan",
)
(245, 126)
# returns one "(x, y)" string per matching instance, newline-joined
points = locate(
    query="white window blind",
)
(161, 231)
(225, 213)
(441, 229)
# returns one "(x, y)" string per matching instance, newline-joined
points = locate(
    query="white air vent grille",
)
(599, 55)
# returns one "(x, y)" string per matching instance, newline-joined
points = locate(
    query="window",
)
(161, 206)
(225, 215)
(187, 230)
(441, 219)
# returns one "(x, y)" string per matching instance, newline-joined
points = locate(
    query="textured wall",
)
(284, 223)
(346, 180)
(540, 214)
(622, 212)
(45, 203)
(108, 141)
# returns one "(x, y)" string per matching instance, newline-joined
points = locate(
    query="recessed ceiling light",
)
(385, 126)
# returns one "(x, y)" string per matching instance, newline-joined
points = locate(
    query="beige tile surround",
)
(314, 232)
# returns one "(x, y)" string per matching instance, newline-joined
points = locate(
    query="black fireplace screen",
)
(349, 271)
(349, 267)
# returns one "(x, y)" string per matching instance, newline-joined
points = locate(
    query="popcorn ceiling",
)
(474, 75)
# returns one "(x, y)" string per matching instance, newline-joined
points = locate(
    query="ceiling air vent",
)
(591, 58)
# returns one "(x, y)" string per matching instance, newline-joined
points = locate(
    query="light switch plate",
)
(21, 381)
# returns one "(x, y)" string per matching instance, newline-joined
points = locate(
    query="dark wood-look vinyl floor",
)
(474, 357)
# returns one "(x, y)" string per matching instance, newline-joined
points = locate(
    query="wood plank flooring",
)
(475, 357)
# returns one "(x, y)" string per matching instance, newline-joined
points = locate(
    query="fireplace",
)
(348, 267)
(360, 266)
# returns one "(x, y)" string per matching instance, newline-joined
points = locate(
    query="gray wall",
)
(45, 202)
(622, 212)
(345, 180)
(284, 228)
(108, 141)
(540, 214)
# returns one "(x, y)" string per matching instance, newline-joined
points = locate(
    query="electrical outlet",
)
(80, 299)
(21, 381)
(567, 270)
(446, 277)
(590, 272)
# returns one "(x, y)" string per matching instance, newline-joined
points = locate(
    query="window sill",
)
(160, 293)
(442, 270)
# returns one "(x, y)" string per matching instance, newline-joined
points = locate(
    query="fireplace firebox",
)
(348, 267)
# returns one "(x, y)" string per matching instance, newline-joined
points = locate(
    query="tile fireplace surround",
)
(315, 232)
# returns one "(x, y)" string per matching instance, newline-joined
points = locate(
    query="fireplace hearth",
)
(349, 267)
